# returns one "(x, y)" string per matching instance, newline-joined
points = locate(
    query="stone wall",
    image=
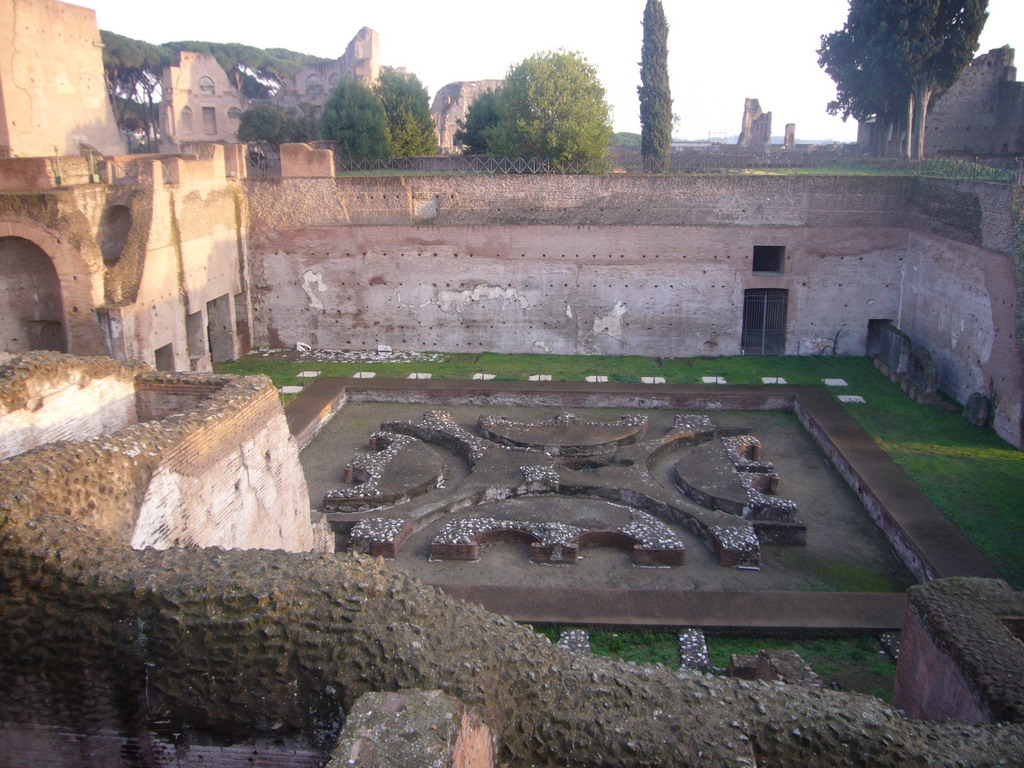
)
(221, 471)
(981, 112)
(49, 101)
(220, 648)
(451, 106)
(51, 401)
(671, 291)
(959, 658)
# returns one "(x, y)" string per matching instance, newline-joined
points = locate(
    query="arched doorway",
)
(31, 308)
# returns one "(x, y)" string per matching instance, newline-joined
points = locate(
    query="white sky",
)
(719, 52)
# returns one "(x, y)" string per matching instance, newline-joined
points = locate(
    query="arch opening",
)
(31, 305)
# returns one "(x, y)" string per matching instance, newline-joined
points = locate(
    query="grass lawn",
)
(855, 663)
(971, 474)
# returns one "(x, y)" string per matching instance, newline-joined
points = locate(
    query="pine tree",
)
(655, 96)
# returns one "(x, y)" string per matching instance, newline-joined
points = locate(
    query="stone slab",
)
(713, 380)
(308, 374)
(364, 375)
(772, 380)
(652, 379)
(483, 376)
(851, 399)
(290, 390)
(835, 382)
(420, 376)
(597, 379)
(540, 377)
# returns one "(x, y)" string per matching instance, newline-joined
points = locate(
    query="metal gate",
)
(764, 321)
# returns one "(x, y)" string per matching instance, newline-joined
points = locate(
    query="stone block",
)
(922, 373)
(412, 728)
(301, 160)
(772, 380)
(977, 409)
(835, 382)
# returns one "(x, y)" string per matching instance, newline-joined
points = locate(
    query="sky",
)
(719, 52)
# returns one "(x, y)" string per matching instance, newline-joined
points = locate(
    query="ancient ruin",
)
(172, 596)
(451, 106)
(756, 130)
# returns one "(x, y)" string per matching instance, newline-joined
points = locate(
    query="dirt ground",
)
(844, 552)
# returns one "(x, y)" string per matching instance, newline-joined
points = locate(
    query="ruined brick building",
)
(118, 484)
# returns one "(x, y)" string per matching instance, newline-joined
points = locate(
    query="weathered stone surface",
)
(410, 728)
(978, 409)
(451, 105)
(756, 130)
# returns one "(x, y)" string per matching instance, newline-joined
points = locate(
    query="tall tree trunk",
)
(922, 94)
(908, 121)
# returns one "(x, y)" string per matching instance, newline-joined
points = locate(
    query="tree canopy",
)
(892, 56)
(552, 106)
(133, 70)
(654, 92)
(354, 118)
(265, 121)
(407, 108)
(481, 117)
(256, 72)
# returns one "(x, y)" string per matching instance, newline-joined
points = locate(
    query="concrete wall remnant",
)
(305, 161)
(982, 112)
(52, 90)
(451, 106)
(756, 129)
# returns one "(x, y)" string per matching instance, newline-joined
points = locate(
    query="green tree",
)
(655, 95)
(407, 108)
(276, 125)
(133, 70)
(354, 118)
(481, 117)
(553, 107)
(892, 56)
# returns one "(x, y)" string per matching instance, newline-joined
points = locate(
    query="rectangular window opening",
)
(769, 258)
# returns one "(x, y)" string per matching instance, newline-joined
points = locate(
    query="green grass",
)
(971, 474)
(850, 663)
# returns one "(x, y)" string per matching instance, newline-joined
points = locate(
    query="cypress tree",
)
(655, 97)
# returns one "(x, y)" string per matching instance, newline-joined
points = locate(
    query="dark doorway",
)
(764, 321)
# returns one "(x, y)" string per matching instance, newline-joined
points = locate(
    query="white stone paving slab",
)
(540, 377)
(772, 380)
(291, 390)
(597, 379)
(713, 379)
(421, 376)
(364, 374)
(835, 382)
(483, 376)
(308, 374)
(652, 379)
(851, 399)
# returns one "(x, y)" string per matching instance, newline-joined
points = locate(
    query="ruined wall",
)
(221, 470)
(959, 658)
(675, 291)
(982, 111)
(52, 101)
(206, 648)
(154, 266)
(451, 105)
(64, 403)
(199, 102)
(313, 83)
(228, 483)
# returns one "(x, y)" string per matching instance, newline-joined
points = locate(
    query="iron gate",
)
(764, 321)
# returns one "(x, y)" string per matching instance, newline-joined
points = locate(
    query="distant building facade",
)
(202, 105)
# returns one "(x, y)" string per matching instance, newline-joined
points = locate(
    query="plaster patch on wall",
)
(448, 301)
(543, 345)
(311, 278)
(568, 311)
(611, 324)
